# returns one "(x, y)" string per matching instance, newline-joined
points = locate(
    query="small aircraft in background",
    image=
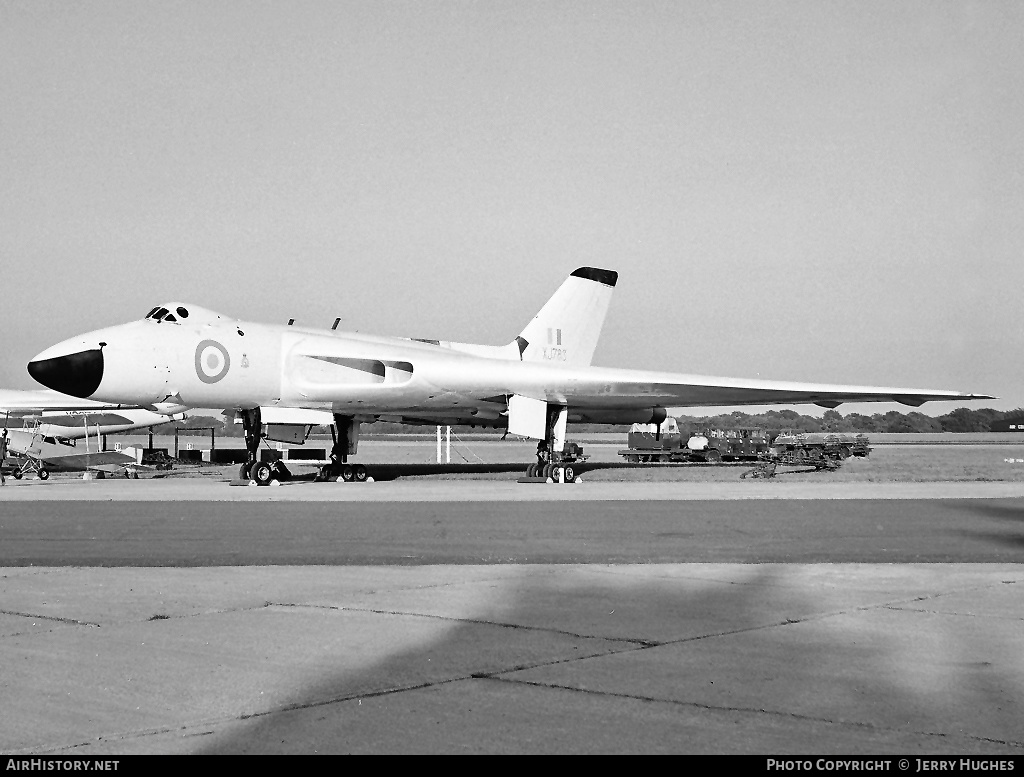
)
(54, 423)
(181, 355)
(39, 454)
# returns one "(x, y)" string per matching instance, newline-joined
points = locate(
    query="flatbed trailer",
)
(817, 450)
(666, 444)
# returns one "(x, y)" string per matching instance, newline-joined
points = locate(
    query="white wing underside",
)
(606, 395)
(19, 403)
(612, 388)
(57, 415)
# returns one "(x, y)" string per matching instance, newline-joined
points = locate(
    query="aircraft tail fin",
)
(567, 328)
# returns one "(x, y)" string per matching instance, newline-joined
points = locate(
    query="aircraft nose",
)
(78, 374)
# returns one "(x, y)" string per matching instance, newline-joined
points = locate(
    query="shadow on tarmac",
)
(384, 472)
(1009, 532)
(610, 661)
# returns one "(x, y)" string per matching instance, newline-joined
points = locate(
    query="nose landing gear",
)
(262, 473)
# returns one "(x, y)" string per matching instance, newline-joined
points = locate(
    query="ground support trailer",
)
(817, 450)
(649, 444)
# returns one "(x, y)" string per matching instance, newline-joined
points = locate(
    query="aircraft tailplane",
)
(567, 328)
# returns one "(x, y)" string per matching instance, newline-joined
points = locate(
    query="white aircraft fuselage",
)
(212, 361)
(184, 356)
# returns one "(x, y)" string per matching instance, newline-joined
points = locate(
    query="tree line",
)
(962, 419)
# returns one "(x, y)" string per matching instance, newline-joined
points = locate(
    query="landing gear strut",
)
(555, 458)
(262, 472)
(560, 465)
(345, 433)
(252, 427)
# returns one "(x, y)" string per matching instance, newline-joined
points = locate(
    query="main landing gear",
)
(30, 465)
(556, 467)
(345, 433)
(556, 459)
(348, 473)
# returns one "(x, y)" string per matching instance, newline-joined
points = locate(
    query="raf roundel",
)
(212, 361)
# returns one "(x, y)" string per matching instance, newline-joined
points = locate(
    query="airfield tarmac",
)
(486, 616)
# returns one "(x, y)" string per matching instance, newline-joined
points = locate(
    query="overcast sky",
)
(814, 191)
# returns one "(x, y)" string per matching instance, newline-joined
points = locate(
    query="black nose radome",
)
(77, 374)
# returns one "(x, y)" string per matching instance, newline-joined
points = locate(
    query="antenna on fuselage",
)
(336, 322)
(291, 321)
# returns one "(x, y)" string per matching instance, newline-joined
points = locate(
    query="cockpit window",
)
(175, 313)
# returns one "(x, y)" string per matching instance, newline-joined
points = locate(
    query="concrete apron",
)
(687, 658)
(413, 490)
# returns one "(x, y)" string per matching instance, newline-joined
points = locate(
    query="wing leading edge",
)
(625, 387)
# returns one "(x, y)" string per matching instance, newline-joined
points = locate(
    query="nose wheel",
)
(261, 473)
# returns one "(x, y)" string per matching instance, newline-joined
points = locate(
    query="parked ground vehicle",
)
(158, 458)
(837, 444)
(820, 450)
(649, 444)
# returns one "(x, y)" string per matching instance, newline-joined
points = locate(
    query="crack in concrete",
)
(925, 611)
(500, 675)
(474, 621)
(207, 722)
(630, 644)
(753, 710)
(382, 692)
(54, 618)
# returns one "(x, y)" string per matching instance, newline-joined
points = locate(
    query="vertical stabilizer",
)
(567, 328)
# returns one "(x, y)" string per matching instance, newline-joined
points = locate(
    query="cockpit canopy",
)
(178, 313)
(163, 314)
